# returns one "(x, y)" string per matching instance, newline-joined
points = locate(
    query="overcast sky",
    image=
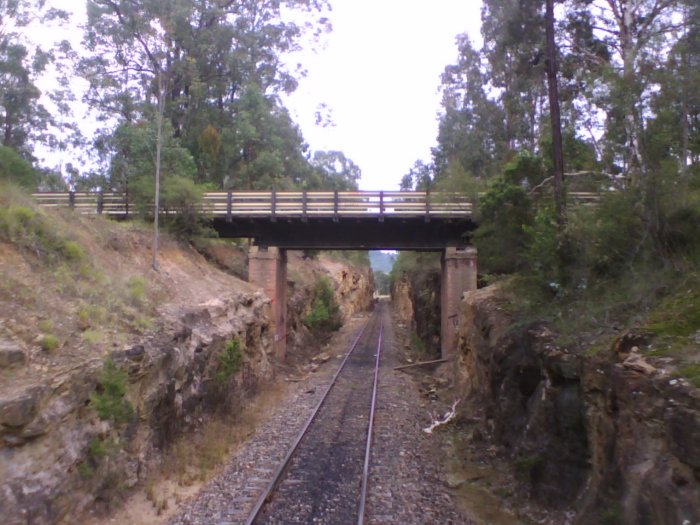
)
(379, 75)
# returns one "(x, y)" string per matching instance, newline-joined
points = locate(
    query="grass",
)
(136, 288)
(191, 458)
(691, 373)
(92, 337)
(679, 313)
(62, 241)
(46, 326)
(526, 464)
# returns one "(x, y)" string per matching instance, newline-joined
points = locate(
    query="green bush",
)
(325, 312)
(109, 401)
(180, 197)
(230, 361)
(24, 227)
(612, 234)
(14, 168)
(49, 342)
(501, 238)
(543, 254)
(72, 251)
(681, 230)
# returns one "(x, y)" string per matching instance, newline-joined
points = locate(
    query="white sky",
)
(379, 75)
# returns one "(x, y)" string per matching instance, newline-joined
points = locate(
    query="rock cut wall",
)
(606, 432)
(57, 456)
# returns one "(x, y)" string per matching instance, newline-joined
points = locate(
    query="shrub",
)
(49, 342)
(678, 315)
(179, 195)
(15, 169)
(681, 230)
(24, 227)
(72, 251)
(230, 361)
(612, 236)
(46, 325)
(325, 312)
(501, 238)
(109, 401)
(92, 337)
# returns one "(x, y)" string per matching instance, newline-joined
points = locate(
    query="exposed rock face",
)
(49, 463)
(416, 299)
(609, 433)
(644, 428)
(354, 289)
(11, 355)
(401, 303)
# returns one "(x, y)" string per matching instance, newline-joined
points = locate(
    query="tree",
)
(334, 171)
(557, 147)
(419, 177)
(24, 119)
(223, 66)
(513, 33)
(472, 131)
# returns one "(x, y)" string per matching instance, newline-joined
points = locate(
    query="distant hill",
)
(382, 261)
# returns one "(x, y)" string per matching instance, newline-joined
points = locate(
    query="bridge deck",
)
(410, 220)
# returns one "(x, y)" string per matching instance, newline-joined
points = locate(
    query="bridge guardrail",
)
(294, 204)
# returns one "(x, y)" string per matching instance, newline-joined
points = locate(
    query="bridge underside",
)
(362, 233)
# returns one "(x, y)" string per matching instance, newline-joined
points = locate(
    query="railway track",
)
(323, 478)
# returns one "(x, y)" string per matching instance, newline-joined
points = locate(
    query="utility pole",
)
(555, 117)
(159, 143)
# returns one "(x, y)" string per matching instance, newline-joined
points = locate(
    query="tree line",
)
(627, 76)
(214, 68)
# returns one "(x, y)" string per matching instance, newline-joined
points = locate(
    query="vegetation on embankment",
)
(581, 367)
(113, 374)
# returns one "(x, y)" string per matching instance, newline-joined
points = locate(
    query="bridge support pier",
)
(267, 268)
(458, 276)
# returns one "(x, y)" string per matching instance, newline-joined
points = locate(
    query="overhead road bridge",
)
(299, 220)
(337, 220)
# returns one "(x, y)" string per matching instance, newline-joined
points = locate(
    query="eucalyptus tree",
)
(222, 61)
(472, 133)
(632, 38)
(514, 36)
(332, 170)
(24, 117)
(673, 134)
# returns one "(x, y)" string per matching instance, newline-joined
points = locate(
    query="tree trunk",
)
(555, 117)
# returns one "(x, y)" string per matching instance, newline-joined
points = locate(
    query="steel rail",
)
(287, 459)
(368, 450)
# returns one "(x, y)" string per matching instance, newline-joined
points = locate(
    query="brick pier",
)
(267, 268)
(458, 276)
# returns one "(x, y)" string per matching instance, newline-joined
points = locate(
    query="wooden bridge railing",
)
(284, 204)
(294, 204)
